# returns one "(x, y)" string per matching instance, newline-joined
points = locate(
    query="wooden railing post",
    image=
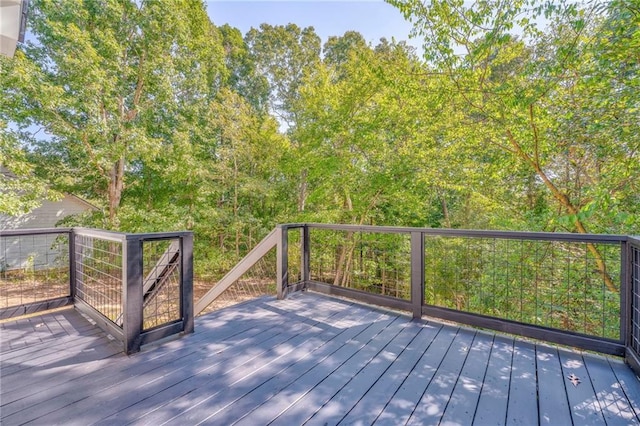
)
(186, 276)
(417, 273)
(282, 267)
(132, 293)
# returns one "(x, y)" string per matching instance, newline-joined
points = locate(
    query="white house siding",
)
(39, 251)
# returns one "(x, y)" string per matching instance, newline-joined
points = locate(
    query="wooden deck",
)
(308, 359)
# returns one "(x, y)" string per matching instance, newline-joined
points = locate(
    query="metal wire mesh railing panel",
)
(258, 281)
(570, 286)
(161, 285)
(635, 297)
(99, 282)
(33, 268)
(294, 255)
(376, 263)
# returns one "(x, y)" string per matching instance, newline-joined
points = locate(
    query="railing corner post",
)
(186, 250)
(417, 273)
(72, 264)
(132, 294)
(630, 291)
(282, 267)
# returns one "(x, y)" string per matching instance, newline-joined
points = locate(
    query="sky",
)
(373, 19)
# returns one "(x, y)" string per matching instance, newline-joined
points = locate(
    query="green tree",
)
(243, 76)
(515, 90)
(244, 169)
(20, 189)
(284, 55)
(337, 49)
(110, 83)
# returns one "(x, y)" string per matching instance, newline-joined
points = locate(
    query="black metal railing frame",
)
(130, 328)
(629, 274)
(50, 303)
(132, 332)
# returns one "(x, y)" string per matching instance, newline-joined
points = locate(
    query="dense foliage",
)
(522, 115)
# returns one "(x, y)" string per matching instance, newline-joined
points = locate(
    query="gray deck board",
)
(464, 399)
(243, 409)
(494, 395)
(245, 374)
(293, 392)
(367, 410)
(354, 390)
(613, 403)
(310, 401)
(166, 375)
(522, 408)
(308, 359)
(629, 383)
(437, 395)
(211, 340)
(276, 363)
(553, 403)
(86, 347)
(406, 398)
(225, 411)
(585, 407)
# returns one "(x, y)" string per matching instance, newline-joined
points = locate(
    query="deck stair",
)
(159, 275)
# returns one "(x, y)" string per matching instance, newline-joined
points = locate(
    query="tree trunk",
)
(565, 202)
(346, 277)
(445, 211)
(116, 185)
(236, 220)
(342, 258)
(302, 195)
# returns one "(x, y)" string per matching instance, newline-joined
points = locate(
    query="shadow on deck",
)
(307, 359)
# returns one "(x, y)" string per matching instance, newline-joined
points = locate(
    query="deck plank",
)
(20, 336)
(81, 378)
(142, 379)
(368, 409)
(494, 395)
(266, 395)
(552, 392)
(344, 400)
(309, 401)
(182, 419)
(296, 390)
(629, 383)
(224, 410)
(585, 407)
(247, 373)
(406, 398)
(462, 406)
(137, 365)
(523, 408)
(309, 358)
(437, 395)
(45, 356)
(613, 403)
(231, 393)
